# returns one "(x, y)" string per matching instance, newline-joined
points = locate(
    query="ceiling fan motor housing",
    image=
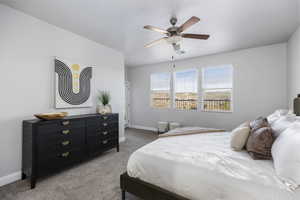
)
(173, 31)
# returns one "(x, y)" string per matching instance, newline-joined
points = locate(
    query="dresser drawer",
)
(96, 145)
(103, 133)
(108, 117)
(54, 136)
(59, 160)
(60, 142)
(59, 125)
(102, 120)
(104, 125)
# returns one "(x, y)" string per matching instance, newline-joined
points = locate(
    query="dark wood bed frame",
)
(145, 190)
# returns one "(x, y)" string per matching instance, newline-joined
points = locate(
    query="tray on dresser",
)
(51, 116)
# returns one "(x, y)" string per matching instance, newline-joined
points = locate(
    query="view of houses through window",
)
(217, 88)
(186, 89)
(215, 94)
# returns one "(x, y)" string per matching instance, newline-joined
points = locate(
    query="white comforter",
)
(203, 167)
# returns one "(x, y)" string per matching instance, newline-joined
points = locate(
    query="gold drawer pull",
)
(104, 124)
(66, 154)
(104, 132)
(104, 142)
(65, 123)
(65, 143)
(66, 132)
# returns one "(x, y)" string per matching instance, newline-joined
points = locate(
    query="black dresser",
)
(49, 146)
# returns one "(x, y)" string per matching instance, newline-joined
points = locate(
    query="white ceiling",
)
(232, 24)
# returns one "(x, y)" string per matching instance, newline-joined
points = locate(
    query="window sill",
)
(197, 110)
(217, 111)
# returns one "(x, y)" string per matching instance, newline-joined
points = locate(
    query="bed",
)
(201, 167)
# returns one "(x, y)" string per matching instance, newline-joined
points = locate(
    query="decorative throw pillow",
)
(282, 124)
(245, 124)
(259, 123)
(286, 155)
(239, 137)
(276, 115)
(260, 142)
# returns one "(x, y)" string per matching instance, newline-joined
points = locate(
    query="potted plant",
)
(104, 98)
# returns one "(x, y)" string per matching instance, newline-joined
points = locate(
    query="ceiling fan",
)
(174, 34)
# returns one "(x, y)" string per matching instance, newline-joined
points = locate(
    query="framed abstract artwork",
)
(73, 84)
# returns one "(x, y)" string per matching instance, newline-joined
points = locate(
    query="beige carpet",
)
(97, 179)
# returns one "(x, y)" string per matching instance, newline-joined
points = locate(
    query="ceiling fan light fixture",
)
(174, 39)
(178, 49)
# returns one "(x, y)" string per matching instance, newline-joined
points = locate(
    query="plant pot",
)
(101, 109)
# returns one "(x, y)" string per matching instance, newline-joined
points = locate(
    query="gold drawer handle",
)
(66, 132)
(104, 132)
(66, 123)
(66, 154)
(65, 143)
(104, 142)
(104, 124)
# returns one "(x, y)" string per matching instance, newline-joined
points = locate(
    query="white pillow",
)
(276, 115)
(239, 137)
(282, 124)
(286, 155)
(245, 124)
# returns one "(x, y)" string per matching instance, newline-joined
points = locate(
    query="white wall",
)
(27, 49)
(259, 88)
(293, 67)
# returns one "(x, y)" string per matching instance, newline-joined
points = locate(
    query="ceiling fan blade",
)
(155, 42)
(195, 36)
(153, 28)
(193, 20)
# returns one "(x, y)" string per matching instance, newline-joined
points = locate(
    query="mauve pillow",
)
(260, 142)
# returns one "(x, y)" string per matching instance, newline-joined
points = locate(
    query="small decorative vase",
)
(101, 109)
(297, 105)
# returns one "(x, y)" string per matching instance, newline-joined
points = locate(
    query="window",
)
(186, 89)
(217, 88)
(160, 90)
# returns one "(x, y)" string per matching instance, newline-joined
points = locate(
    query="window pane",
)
(185, 89)
(160, 81)
(217, 100)
(160, 90)
(217, 77)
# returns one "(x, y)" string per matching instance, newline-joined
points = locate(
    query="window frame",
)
(203, 90)
(174, 92)
(170, 91)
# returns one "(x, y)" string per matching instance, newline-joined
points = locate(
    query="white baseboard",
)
(10, 178)
(143, 128)
(122, 139)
